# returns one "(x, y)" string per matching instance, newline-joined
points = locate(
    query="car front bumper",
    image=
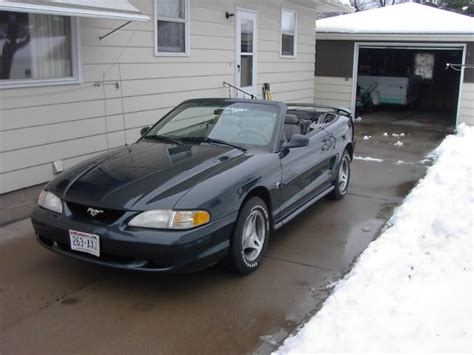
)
(137, 248)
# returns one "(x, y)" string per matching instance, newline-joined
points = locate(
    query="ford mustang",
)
(209, 182)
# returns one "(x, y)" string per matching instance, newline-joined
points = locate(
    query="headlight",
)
(50, 201)
(169, 219)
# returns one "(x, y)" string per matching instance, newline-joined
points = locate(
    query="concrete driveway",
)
(50, 304)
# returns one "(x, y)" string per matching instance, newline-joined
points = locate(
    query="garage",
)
(409, 84)
(398, 65)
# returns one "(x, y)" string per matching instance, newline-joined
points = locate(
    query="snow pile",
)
(411, 290)
(366, 138)
(398, 143)
(368, 159)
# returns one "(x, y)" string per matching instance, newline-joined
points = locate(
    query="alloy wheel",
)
(254, 234)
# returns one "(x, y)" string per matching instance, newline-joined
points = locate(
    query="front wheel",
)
(341, 183)
(250, 236)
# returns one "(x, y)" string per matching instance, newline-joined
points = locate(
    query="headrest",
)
(291, 119)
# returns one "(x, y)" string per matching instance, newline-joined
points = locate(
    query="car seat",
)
(292, 126)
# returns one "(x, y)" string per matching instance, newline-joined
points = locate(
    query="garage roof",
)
(406, 18)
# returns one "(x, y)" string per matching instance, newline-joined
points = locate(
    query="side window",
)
(171, 27)
(288, 33)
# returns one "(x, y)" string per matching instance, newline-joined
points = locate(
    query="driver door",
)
(305, 171)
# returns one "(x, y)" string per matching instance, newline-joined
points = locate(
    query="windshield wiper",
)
(164, 139)
(211, 141)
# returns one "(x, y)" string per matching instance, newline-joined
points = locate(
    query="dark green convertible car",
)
(208, 182)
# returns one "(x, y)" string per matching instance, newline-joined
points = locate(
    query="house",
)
(79, 77)
(403, 51)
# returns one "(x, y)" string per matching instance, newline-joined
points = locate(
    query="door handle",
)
(238, 68)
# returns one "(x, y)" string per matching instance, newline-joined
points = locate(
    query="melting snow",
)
(368, 159)
(411, 289)
(366, 138)
(398, 143)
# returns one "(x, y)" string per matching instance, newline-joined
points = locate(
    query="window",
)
(424, 65)
(37, 49)
(171, 27)
(288, 33)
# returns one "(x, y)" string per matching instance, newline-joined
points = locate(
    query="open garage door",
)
(407, 84)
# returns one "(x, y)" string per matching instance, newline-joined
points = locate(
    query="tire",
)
(341, 183)
(250, 237)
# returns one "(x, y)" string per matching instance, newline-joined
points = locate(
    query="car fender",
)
(224, 192)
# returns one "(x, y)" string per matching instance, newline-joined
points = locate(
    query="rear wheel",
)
(250, 236)
(341, 183)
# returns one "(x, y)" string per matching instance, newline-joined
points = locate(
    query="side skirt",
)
(295, 213)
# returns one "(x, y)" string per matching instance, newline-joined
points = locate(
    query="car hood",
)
(143, 175)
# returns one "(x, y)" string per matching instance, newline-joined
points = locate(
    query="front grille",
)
(83, 213)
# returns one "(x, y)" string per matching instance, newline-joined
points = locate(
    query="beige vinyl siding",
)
(466, 109)
(73, 122)
(333, 91)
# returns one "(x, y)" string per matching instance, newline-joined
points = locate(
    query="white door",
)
(246, 52)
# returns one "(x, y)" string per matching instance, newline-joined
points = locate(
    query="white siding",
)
(466, 110)
(333, 91)
(73, 122)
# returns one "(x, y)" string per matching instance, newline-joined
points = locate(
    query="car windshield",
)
(236, 123)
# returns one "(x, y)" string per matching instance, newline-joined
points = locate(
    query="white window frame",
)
(76, 77)
(285, 9)
(187, 16)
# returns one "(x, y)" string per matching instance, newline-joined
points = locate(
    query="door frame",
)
(408, 45)
(241, 13)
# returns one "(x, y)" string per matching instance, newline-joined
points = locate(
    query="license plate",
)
(85, 242)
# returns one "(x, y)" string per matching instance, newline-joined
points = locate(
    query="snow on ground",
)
(398, 143)
(356, 157)
(411, 289)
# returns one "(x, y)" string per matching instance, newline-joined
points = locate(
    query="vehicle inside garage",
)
(410, 85)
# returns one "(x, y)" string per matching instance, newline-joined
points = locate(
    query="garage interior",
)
(409, 86)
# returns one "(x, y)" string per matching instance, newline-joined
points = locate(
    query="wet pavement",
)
(53, 305)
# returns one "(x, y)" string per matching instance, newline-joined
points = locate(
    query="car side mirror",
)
(296, 141)
(144, 131)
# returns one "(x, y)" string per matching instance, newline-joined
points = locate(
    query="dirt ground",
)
(53, 305)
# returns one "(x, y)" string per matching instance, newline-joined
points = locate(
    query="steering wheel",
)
(253, 131)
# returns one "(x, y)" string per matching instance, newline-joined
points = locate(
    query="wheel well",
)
(350, 150)
(264, 194)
